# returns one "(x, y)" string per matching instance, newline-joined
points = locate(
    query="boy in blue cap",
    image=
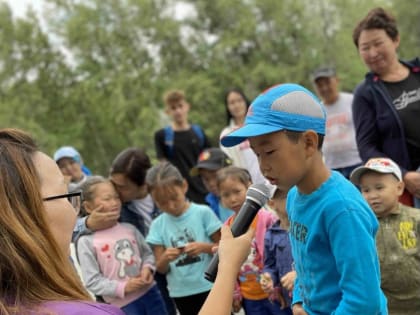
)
(71, 165)
(332, 229)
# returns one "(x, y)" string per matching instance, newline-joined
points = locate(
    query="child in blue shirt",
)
(182, 238)
(209, 162)
(278, 274)
(332, 229)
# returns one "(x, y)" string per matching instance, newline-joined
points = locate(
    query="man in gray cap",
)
(339, 148)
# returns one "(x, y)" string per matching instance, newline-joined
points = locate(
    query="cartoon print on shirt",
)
(251, 268)
(124, 253)
(179, 240)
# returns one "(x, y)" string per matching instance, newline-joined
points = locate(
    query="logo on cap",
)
(205, 155)
(378, 162)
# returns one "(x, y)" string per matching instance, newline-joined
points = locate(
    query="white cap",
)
(379, 165)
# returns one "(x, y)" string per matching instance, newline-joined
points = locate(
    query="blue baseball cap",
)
(67, 152)
(282, 107)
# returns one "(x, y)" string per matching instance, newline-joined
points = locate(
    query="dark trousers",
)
(163, 288)
(191, 304)
(151, 303)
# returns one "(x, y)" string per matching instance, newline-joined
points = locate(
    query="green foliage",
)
(94, 74)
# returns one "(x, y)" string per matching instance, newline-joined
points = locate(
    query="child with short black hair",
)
(182, 238)
(332, 229)
(116, 263)
(209, 162)
(398, 240)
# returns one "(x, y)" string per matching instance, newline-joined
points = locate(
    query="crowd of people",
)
(340, 222)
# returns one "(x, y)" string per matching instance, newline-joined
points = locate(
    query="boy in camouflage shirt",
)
(398, 237)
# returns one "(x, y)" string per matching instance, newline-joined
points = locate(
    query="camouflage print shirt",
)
(398, 244)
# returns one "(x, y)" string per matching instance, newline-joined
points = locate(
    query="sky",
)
(19, 7)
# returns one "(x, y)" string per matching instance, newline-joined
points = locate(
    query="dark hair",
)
(133, 163)
(164, 174)
(377, 18)
(295, 135)
(239, 173)
(240, 92)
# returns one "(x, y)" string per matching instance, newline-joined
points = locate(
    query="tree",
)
(93, 76)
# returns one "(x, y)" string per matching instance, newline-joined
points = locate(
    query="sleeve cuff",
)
(120, 291)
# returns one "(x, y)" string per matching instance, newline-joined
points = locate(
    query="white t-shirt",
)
(243, 156)
(340, 148)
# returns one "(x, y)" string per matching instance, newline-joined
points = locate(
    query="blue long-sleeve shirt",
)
(277, 255)
(332, 233)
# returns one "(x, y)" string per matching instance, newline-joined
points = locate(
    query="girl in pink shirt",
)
(116, 263)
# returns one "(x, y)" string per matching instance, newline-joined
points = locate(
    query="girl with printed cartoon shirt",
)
(116, 263)
(233, 183)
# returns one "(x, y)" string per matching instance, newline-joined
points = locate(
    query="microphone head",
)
(258, 193)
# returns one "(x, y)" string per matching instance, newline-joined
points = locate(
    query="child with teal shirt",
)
(181, 237)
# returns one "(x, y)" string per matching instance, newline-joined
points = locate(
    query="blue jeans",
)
(149, 304)
(264, 307)
(162, 285)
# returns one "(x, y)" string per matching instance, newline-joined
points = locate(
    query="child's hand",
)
(288, 280)
(298, 309)
(266, 283)
(147, 275)
(172, 253)
(195, 248)
(134, 284)
(236, 305)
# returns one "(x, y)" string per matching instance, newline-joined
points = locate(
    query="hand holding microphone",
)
(256, 197)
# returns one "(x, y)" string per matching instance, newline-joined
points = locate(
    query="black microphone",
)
(256, 197)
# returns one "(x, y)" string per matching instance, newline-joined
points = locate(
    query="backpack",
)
(169, 138)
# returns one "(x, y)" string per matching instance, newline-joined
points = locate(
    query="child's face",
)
(209, 178)
(283, 162)
(106, 196)
(381, 191)
(233, 193)
(71, 168)
(171, 198)
(178, 111)
(127, 189)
